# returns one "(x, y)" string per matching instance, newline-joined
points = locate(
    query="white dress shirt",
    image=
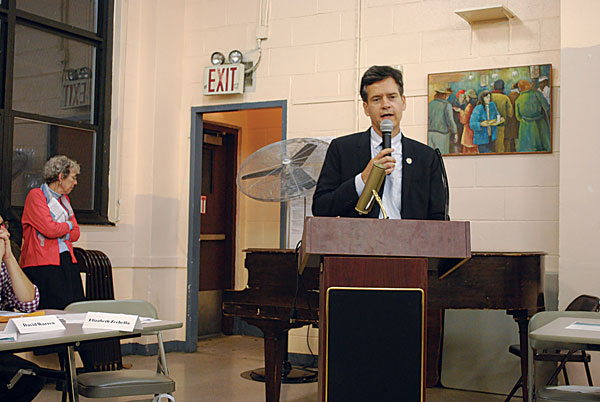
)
(392, 190)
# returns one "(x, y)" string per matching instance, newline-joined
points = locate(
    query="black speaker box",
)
(375, 344)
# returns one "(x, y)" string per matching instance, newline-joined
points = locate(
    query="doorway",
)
(203, 312)
(217, 226)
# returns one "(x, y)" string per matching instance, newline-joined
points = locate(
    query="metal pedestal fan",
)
(281, 172)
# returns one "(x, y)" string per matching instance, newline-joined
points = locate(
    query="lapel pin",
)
(408, 161)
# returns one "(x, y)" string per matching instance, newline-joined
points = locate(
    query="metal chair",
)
(110, 384)
(580, 303)
(565, 392)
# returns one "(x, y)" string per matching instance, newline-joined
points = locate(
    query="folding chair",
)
(552, 393)
(110, 384)
(580, 303)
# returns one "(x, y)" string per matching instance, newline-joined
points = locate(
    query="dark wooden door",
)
(217, 238)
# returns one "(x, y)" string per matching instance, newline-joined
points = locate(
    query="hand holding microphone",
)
(374, 173)
(384, 157)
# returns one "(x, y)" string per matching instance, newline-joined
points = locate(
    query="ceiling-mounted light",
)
(217, 58)
(235, 57)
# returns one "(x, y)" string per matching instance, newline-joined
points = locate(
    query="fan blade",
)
(304, 179)
(262, 173)
(301, 156)
(298, 159)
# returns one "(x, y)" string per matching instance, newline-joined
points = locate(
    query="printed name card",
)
(30, 325)
(120, 322)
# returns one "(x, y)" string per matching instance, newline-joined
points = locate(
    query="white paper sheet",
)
(585, 326)
(73, 318)
(10, 314)
(78, 318)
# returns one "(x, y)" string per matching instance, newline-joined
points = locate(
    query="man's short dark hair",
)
(379, 73)
(499, 85)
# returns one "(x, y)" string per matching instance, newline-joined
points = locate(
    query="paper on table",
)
(585, 326)
(7, 336)
(31, 325)
(79, 318)
(72, 318)
(7, 315)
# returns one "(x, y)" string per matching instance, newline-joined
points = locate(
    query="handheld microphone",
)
(386, 127)
(373, 184)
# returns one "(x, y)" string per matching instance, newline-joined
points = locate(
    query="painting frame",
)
(516, 117)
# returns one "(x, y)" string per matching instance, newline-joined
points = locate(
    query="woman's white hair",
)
(59, 164)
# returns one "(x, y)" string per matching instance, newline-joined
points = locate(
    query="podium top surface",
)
(384, 237)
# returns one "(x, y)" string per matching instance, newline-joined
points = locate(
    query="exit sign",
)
(224, 79)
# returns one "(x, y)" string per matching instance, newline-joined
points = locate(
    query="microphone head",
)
(386, 126)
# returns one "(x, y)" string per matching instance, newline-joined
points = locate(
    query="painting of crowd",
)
(495, 111)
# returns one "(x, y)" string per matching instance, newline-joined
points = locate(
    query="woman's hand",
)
(5, 249)
(2, 243)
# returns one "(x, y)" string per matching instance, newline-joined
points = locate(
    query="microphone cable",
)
(445, 183)
(294, 310)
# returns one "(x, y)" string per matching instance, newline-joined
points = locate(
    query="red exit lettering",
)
(223, 80)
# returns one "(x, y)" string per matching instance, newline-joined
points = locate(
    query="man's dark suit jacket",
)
(423, 194)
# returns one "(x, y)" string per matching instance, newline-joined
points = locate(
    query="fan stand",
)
(291, 161)
(289, 373)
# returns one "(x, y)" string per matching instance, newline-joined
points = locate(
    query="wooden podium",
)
(375, 253)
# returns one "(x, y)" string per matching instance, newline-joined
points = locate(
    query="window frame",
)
(102, 40)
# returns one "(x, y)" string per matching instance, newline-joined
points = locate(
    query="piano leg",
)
(274, 347)
(522, 319)
(433, 350)
(275, 335)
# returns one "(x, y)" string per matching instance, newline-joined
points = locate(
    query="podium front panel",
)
(375, 344)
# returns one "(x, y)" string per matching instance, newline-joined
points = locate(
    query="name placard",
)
(112, 321)
(30, 325)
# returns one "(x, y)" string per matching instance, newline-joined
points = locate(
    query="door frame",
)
(193, 258)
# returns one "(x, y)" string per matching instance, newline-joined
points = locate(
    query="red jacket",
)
(37, 218)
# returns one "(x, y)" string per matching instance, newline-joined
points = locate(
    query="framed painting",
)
(494, 111)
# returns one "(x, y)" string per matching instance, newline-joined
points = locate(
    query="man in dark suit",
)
(413, 187)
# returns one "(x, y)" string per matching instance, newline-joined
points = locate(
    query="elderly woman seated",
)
(16, 292)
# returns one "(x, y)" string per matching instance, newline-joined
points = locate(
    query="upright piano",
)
(489, 280)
